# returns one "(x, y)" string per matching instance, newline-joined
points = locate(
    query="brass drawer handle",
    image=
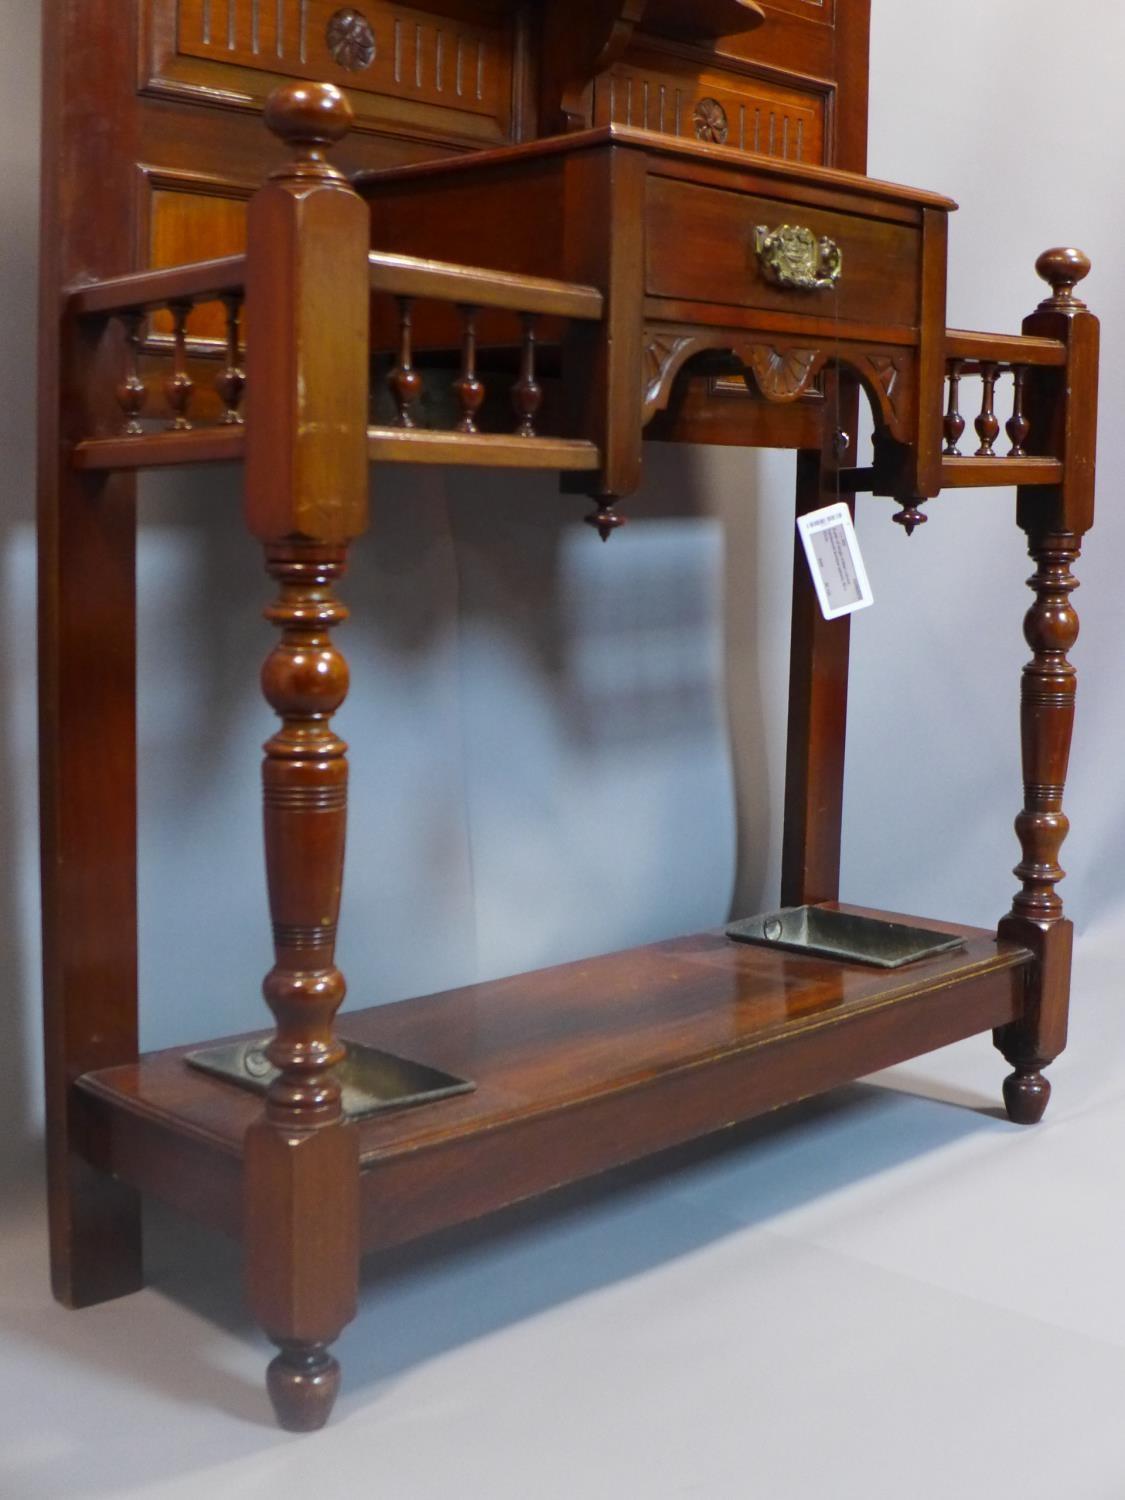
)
(793, 256)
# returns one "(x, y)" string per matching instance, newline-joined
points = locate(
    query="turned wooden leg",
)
(1036, 919)
(302, 1166)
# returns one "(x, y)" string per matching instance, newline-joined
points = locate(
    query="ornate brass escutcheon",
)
(794, 257)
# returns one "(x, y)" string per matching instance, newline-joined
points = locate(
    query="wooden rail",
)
(146, 291)
(485, 450)
(1002, 348)
(140, 443)
(990, 357)
(442, 281)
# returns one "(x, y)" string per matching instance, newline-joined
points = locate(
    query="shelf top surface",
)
(655, 145)
(563, 1036)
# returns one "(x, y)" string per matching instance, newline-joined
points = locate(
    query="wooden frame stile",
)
(819, 649)
(87, 539)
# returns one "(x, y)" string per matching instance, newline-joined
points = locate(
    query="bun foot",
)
(303, 1383)
(1026, 1093)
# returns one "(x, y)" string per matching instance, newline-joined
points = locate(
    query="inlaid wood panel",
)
(719, 106)
(446, 69)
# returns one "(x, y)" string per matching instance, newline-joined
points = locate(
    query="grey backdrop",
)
(560, 748)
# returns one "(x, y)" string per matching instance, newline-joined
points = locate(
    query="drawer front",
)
(720, 106)
(701, 248)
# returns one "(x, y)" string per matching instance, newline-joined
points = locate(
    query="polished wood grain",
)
(792, 174)
(411, 276)
(145, 290)
(819, 656)
(971, 473)
(486, 450)
(87, 663)
(160, 450)
(581, 1067)
(705, 20)
(1001, 348)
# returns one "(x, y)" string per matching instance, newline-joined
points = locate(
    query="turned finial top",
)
(1063, 268)
(309, 117)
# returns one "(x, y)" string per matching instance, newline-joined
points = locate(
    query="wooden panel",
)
(701, 248)
(189, 212)
(428, 217)
(724, 106)
(823, 11)
(445, 69)
(804, 42)
(180, 212)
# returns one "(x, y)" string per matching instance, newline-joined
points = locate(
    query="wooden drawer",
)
(701, 249)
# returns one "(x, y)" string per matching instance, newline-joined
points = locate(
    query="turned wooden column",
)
(1063, 405)
(306, 499)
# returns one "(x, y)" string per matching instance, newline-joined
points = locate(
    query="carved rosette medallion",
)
(781, 374)
(711, 123)
(351, 40)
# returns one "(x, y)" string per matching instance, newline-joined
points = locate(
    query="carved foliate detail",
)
(711, 123)
(664, 354)
(782, 374)
(351, 40)
(886, 370)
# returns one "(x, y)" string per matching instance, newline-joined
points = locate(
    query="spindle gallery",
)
(625, 223)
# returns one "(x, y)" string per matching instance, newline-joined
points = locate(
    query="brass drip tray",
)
(822, 932)
(370, 1080)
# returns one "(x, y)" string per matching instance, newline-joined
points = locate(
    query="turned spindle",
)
(988, 424)
(131, 393)
(304, 780)
(527, 393)
(179, 387)
(1047, 708)
(1047, 722)
(468, 387)
(404, 382)
(230, 382)
(954, 424)
(1018, 427)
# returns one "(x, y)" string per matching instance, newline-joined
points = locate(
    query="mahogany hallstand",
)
(668, 288)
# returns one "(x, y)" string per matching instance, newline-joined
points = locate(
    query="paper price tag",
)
(835, 562)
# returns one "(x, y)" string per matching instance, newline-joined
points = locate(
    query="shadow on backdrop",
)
(431, 1298)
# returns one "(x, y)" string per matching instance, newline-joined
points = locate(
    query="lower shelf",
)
(579, 1069)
